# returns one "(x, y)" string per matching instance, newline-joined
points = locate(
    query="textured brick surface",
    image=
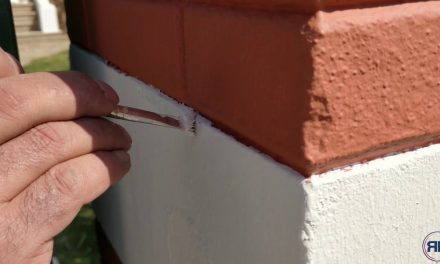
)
(376, 81)
(313, 91)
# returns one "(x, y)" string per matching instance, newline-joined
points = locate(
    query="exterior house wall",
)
(207, 198)
(314, 91)
(317, 124)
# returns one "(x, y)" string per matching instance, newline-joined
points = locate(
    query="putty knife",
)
(152, 118)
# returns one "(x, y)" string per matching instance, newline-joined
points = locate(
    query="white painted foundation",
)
(209, 199)
(378, 212)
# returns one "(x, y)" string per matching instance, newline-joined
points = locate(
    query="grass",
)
(76, 244)
(57, 62)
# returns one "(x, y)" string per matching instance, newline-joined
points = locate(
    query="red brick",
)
(376, 87)
(314, 92)
(250, 71)
(140, 37)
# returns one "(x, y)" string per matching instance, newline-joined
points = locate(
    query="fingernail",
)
(109, 93)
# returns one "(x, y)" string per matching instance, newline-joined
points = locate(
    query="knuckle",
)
(50, 199)
(11, 105)
(66, 181)
(46, 137)
(54, 86)
(40, 205)
(49, 85)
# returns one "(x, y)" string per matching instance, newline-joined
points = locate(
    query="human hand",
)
(56, 154)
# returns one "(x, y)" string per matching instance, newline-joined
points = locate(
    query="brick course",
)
(314, 91)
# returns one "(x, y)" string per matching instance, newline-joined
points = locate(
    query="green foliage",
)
(77, 244)
(57, 62)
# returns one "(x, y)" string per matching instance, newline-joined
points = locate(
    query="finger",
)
(50, 203)
(26, 157)
(9, 66)
(28, 100)
(36, 253)
(14, 250)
